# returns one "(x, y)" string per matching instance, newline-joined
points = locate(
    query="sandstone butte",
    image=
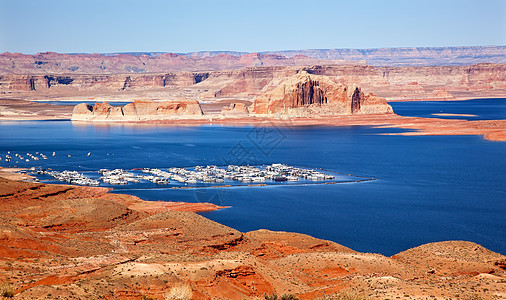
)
(72, 242)
(313, 95)
(137, 111)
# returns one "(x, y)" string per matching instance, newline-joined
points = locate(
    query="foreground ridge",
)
(82, 242)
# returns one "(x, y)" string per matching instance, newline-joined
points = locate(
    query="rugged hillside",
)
(313, 95)
(84, 243)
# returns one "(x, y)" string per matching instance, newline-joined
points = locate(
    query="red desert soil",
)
(69, 242)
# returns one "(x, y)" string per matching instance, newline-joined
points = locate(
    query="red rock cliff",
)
(307, 94)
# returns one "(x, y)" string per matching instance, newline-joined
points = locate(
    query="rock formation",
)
(313, 95)
(137, 111)
(235, 109)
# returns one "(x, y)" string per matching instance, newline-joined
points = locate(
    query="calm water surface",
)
(482, 109)
(429, 188)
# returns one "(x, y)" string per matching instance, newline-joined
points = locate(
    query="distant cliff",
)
(419, 56)
(392, 83)
(137, 111)
(407, 56)
(313, 95)
(70, 64)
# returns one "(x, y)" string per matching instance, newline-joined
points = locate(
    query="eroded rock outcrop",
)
(235, 109)
(442, 94)
(137, 111)
(22, 83)
(313, 95)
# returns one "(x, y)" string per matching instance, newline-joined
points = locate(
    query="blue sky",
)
(183, 26)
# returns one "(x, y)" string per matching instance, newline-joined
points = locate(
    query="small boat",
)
(280, 178)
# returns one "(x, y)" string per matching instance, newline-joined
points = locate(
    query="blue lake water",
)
(483, 109)
(428, 188)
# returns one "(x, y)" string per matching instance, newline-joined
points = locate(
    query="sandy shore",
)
(14, 174)
(453, 115)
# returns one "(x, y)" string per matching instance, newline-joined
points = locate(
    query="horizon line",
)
(259, 52)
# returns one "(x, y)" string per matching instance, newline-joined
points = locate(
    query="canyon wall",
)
(392, 83)
(137, 111)
(59, 63)
(160, 62)
(50, 82)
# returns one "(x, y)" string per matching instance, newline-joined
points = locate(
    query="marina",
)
(200, 176)
(197, 176)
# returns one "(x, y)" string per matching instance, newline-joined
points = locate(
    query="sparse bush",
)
(283, 297)
(179, 292)
(6, 290)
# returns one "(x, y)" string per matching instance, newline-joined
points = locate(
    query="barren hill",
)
(84, 243)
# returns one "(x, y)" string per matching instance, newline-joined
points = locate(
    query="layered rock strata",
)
(137, 111)
(393, 83)
(307, 94)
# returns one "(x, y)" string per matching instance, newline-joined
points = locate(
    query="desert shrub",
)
(6, 290)
(179, 292)
(347, 296)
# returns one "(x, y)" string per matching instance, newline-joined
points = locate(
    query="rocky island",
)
(305, 94)
(137, 111)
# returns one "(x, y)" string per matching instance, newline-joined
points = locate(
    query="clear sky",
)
(31, 26)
